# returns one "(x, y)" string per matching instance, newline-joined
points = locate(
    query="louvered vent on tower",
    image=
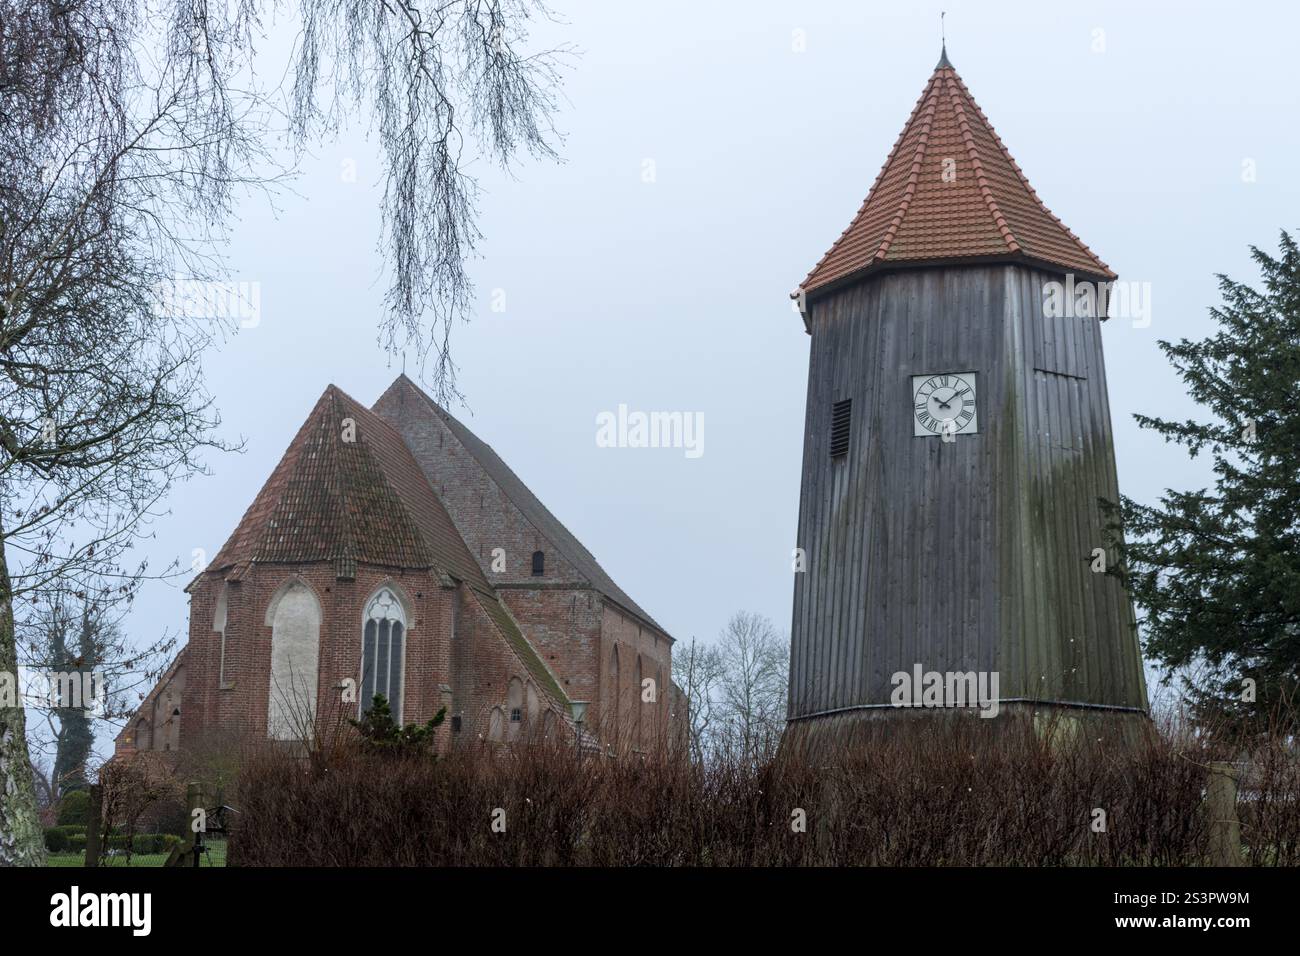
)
(841, 420)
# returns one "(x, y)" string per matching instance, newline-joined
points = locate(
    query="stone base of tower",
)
(826, 736)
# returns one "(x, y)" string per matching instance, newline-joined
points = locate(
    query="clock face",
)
(944, 403)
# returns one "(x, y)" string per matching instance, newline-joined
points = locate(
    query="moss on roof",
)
(505, 623)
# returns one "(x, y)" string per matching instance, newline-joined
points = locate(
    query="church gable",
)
(330, 498)
(491, 505)
(295, 608)
(348, 491)
(348, 568)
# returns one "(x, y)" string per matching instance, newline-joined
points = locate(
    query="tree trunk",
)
(21, 840)
(94, 824)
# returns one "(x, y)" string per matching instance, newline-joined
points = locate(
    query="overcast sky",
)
(672, 294)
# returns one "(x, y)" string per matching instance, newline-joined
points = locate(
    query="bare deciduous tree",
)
(753, 686)
(116, 173)
(699, 672)
(736, 690)
(126, 126)
(429, 73)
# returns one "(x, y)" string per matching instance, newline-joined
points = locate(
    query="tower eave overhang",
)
(884, 267)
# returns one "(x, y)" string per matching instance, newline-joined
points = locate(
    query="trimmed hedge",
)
(145, 842)
(74, 808)
(56, 838)
(72, 839)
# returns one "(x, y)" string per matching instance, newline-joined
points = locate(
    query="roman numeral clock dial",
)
(944, 403)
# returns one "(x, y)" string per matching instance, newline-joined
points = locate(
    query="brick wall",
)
(239, 707)
(573, 626)
(633, 641)
(454, 656)
(483, 514)
(483, 666)
(564, 625)
(155, 725)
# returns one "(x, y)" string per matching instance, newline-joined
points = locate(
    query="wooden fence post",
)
(194, 800)
(1221, 805)
(94, 823)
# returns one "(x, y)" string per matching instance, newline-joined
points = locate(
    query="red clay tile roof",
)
(357, 501)
(364, 501)
(541, 518)
(988, 210)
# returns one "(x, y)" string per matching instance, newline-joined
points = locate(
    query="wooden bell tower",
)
(957, 441)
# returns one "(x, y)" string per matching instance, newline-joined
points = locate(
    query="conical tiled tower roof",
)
(360, 500)
(950, 191)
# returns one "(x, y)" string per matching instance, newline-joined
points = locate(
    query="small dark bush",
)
(144, 843)
(382, 733)
(59, 837)
(74, 808)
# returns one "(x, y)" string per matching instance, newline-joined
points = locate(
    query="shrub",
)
(381, 732)
(144, 843)
(970, 795)
(74, 808)
(56, 840)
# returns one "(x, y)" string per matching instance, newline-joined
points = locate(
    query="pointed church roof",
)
(950, 191)
(541, 518)
(360, 500)
(348, 490)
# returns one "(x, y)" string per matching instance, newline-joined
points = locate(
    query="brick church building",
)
(393, 552)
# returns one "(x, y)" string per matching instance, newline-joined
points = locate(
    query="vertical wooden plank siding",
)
(970, 555)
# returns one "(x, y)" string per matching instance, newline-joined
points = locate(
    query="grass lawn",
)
(216, 856)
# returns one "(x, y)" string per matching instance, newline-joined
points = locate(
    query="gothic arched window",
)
(383, 645)
(294, 616)
(539, 563)
(515, 706)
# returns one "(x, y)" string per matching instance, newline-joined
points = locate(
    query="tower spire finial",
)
(943, 40)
